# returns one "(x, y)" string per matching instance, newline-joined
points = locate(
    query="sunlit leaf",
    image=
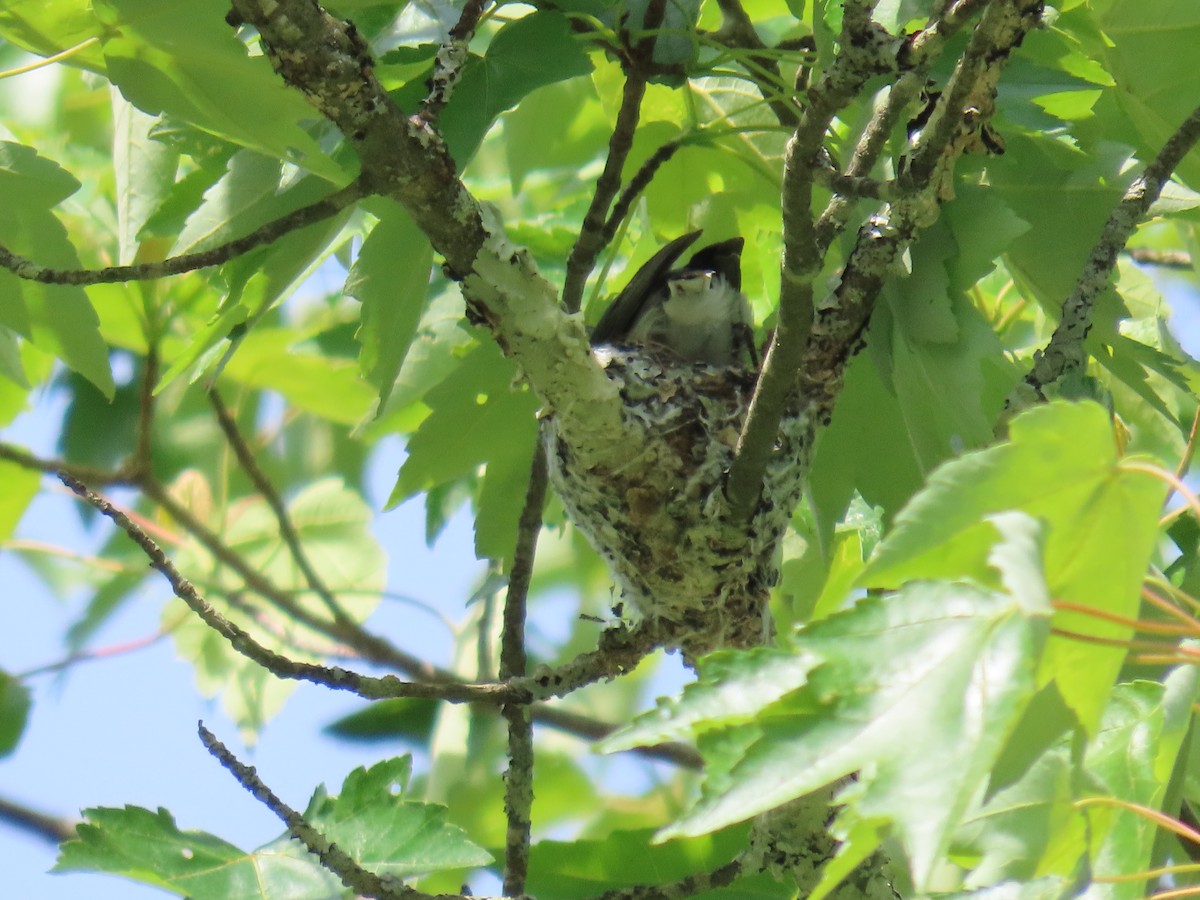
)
(58, 318)
(1061, 465)
(14, 712)
(390, 278)
(955, 657)
(186, 61)
(369, 820)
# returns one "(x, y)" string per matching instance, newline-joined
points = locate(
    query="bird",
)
(697, 312)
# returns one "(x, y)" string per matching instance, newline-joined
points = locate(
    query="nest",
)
(654, 506)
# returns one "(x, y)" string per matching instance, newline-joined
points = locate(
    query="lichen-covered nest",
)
(653, 505)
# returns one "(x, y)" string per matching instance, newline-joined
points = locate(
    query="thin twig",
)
(1065, 352)
(855, 186)
(637, 61)
(738, 31)
(402, 157)
(688, 886)
(287, 530)
(450, 59)
(90, 474)
(518, 780)
(1164, 259)
(915, 57)
(109, 652)
(801, 255)
(143, 442)
(189, 262)
(54, 829)
(871, 142)
(591, 233)
(333, 677)
(620, 651)
(638, 183)
(885, 236)
(362, 882)
(369, 646)
(828, 342)
(366, 645)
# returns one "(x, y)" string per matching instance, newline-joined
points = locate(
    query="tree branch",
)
(915, 57)
(518, 779)
(1166, 259)
(866, 50)
(1065, 352)
(366, 645)
(687, 886)
(333, 677)
(738, 31)
(450, 59)
(403, 157)
(50, 828)
(591, 235)
(287, 531)
(189, 262)
(840, 323)
(24, 458)
(794, 345)
(638, 183)
(620, 651)
(362, 882)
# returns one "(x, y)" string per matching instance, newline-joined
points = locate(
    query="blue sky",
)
(123, 729)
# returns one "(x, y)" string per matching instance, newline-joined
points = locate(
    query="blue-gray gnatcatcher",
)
(697, 312)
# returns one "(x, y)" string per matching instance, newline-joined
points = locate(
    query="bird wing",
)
(621, 313)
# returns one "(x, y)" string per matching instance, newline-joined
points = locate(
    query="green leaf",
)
(253, 191)
(501, 500)
(1066, 197)
(11, 366)
(145, 173)
(949, 665)
(279, 360)
(561, 870)
(865, 449)
(573, 105)
(405, 718)
(1049, 888)
(184, 60)
(14, 712)
(47, 27)
(1061, 466)
(96, 432)
(387, 834)
(1147, 52)
(1132, 759)
(1037, 826)
(983, 227)
(676, 43)
(526, 54)
(949, 392)
(333, 523)
(477, 417)
(390, 277)
(20, 487)
(370, 820)
(1029, 828)
(148, 847)
(57, 318)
